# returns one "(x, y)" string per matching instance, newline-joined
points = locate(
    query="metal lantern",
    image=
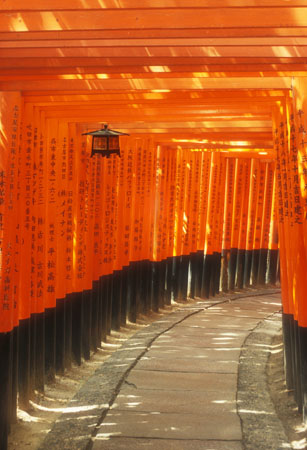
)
(105, 142)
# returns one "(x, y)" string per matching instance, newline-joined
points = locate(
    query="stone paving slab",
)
(220, 321)
(190, 365)
(171, 426)
(125, 443)
(179, 381)
(216, 354)
(183, 402)
(188, 342)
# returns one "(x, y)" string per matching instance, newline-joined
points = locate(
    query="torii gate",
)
(210, 183)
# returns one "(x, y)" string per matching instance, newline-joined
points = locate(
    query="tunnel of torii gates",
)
(208, 194)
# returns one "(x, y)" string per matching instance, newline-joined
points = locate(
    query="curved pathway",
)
(185, 392)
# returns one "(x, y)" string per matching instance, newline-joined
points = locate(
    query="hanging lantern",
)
(105, 142)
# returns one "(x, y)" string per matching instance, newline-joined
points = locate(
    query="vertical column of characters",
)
(41, 163)
(142, 225)
(155, 222)
(273, 230)
(297, 213)
(152, 168)
(89, 196)
(287, 199)
(34, 214)
(114, 210)
(237, 204)
(127, 210)
(282, 226)
(61, 210)
(253, 193)
(229, 194)
(186, 232)
(301, 129)
(10, 109)
(259, 205)
(195, 200)
(26, 165)
(97, 219)
(218, 227)
(172, 203)
(136, 194)
(159, 203)
(245, 199)
(178, 215)
(51, 212)
(81, 161)
(144, 202)
(120, 257)
(204, 192)
(182, 228)
(107, 220)
(212, 203)
(70, 223)
(164, 230)
(273, 244)
(91, 183)
(268, 201)
(15, 184)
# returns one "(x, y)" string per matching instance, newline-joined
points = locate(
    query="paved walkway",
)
(195, 379)
(182, 394)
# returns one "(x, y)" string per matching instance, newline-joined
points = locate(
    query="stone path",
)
(182, 394)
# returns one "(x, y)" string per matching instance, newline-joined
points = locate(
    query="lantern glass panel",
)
(114, 143)
(99, 143)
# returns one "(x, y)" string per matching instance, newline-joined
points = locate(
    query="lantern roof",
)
(105, 131)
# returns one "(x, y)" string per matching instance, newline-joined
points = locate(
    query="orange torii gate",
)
(209, 190)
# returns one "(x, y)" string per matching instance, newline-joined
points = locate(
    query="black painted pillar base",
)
(132, 299)
(124, 295)
(287, 325)
(297, 367)
(272, 266)
(232, 268)
(116, 300)
(169, 281)
(77, 327)
(162, 282)
(87, 324)
(193, 274)
(183, 277)
(5, 384)
(60, 335)
(240, 268)
(262, 270)
(216, 272)
(68, 330)
(302, 332)
(103, 307)
(255, 266)
(95, 341)
(199, 261)
(175, 274)
(109, 298)
(206, 276)
(224, 269)
(247, 268)
(24, 364)
(40, 353)
(154, 286)
(14, 375)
